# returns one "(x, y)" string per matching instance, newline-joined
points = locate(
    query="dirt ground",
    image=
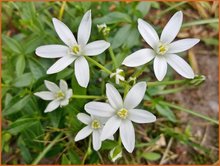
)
(204, 100)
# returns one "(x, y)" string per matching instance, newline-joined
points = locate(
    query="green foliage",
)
(26, 130)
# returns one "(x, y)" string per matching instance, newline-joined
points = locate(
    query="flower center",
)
(122, 113)
(96, 124)
(76, 49)
(60, 95)
(162, 49)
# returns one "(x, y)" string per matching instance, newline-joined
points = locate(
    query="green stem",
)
(99, 65)
(112, 56)
(87, 97)
(190, 112)
(168, 91)
(150, 84)
(171, 8)
(62, 10)
(139, 72)
(44, 152)
(87, 152)
(110, 50)
(201, 22)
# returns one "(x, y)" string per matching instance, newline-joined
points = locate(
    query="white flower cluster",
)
(107, 117)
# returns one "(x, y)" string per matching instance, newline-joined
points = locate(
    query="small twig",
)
(166, 151)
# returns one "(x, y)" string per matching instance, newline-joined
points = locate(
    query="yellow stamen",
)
(122, 113)
(96, 124)
(162, 49)
(60, 95)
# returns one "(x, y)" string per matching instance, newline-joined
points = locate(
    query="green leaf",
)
(152, 156)
(36, 68)
(25, 153)
(133, 38)
(166, 112)
(143, 7)
(121, 36)
(55, 117)
(24, 80)
(12, 44)
(112, 18)
(65, 160)
(15, 105)
(20, 65)
(65, 74)
(73, 156)
(21, 124)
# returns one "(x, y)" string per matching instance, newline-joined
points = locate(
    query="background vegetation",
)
(180, 136)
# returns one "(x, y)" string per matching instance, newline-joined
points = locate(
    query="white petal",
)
(45, 95)
(51, 86)
(63, 85)
(135, 95)
(64, 102)
(82, 71)
(141, 116)
(85, 28)
(99, 109)
(61, 64)
(69, 93)
(148, 33)
(127, 135)
(160, 67)
(180, 65)
(96, 141)
(83, 133)
(52, 106)
(113, 96)
(182, 45)
(52, 51)
(64, 33)
(110, 127)
(172, 28)
(139, 58)
(95, 48)
(84, 118)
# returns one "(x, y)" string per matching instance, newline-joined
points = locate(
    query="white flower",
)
(121, 113)
(118, 76)
(94, 126)
(59, 95)
(163, 49)
(74, 50)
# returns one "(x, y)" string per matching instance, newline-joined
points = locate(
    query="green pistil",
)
(75, 49)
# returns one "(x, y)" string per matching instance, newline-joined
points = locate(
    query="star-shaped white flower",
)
(94, 127)
(59, 95)
(163, 49)
(121, 113)
(118, 76)
(74, 50)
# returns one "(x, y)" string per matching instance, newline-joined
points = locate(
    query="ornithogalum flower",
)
(73, 50)
(163, 49)
(121, 113)
(59, 95)
(119, 76)
(94, 125)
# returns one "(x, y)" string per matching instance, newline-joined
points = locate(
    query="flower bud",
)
(198, 80)
(115, 153)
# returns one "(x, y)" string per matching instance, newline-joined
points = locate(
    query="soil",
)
(204, 100)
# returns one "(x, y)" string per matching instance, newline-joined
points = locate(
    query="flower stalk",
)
(189, 112)
(98, 65)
